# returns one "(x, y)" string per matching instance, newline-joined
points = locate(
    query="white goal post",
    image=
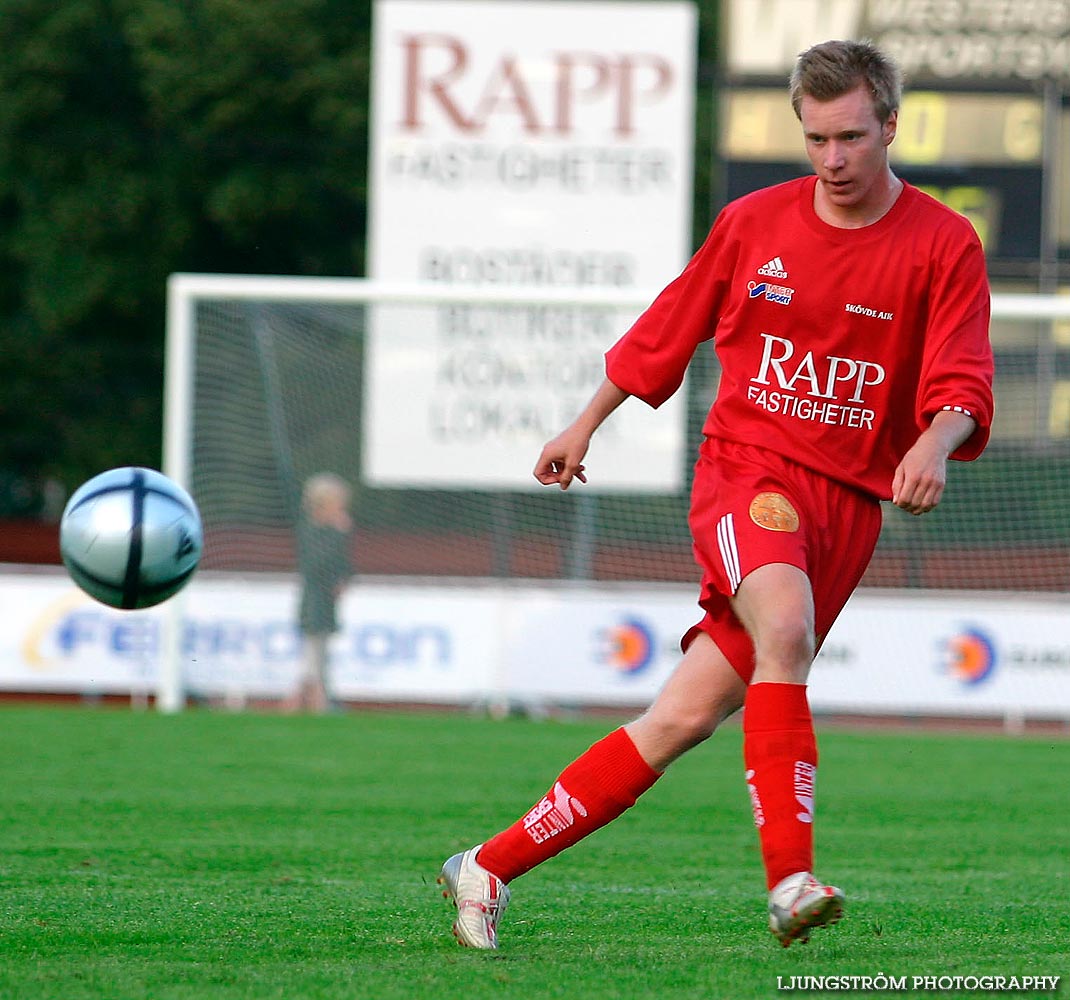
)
(268, 379)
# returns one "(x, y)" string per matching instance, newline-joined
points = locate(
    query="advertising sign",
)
(239, 640)
(541, 146)
(968, 655)
(926, 655)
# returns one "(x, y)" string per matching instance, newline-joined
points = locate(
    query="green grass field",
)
(221, 856)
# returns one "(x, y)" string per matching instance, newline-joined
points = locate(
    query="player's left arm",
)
(919, 480)
(954, 402)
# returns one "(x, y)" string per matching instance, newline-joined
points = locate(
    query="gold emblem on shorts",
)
(774, 511)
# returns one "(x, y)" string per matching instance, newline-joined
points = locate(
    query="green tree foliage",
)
(142, 137)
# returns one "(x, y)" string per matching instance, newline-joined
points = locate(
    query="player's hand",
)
(561, 459)
(919, 480)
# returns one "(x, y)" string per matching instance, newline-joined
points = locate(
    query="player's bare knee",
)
(786, 629)
(785, 648)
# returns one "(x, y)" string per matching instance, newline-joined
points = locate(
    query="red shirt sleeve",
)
(957, 367)
(650, 360)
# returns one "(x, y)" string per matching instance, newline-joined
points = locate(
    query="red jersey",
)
(837, 346)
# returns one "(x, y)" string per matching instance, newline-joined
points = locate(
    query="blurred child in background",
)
(324, 561)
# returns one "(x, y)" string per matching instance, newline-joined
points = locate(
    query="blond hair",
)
(324, 489)
(832, 69)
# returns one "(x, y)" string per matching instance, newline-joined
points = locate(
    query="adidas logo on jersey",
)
(773, 268)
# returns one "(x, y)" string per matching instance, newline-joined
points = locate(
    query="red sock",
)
(592, 791)
(780, 754)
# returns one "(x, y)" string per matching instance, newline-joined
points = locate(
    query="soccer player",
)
(850, 314)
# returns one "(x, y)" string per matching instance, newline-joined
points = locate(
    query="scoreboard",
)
(984, 125)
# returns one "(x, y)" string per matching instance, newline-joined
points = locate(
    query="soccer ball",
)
(130, 537)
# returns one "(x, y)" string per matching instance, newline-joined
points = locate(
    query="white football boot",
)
(480, 898)
(799, 903)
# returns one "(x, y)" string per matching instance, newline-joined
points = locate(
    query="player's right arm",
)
(561, 459)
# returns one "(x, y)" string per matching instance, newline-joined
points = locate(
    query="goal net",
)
(434, 404)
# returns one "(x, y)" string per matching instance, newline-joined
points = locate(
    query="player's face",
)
(848, 148)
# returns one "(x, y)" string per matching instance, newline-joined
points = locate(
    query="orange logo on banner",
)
(774, 511)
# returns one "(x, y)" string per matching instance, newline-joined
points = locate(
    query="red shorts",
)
(750, 508)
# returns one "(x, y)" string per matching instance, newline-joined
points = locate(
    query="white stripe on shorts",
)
(726, 542)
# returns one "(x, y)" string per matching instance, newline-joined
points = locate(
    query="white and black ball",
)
(131, 537)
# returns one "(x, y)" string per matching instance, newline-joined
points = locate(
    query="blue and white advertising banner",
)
(239, 640)
(935, 654)
(967, 655)
(539, 145)
(587, 646)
